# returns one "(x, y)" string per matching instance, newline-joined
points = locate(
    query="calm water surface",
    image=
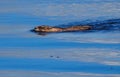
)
(78, 54)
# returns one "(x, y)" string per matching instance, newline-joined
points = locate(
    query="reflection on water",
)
(106, 56)
(56, 66)
(79, 54)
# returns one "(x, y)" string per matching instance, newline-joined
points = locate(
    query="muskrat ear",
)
(41, 27)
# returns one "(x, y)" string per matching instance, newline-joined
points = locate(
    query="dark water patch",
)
(56, 66)
(109, 25)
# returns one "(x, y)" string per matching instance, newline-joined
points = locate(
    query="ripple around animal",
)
(109, 25)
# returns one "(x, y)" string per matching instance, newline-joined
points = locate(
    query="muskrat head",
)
(42, 28)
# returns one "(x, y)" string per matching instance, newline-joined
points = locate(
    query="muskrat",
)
(45, 28)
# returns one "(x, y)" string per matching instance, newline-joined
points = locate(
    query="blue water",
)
(56, 66)
(80, 54)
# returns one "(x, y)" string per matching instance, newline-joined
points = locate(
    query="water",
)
(79, 54)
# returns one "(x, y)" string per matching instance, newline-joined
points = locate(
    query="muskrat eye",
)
(36, 28)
